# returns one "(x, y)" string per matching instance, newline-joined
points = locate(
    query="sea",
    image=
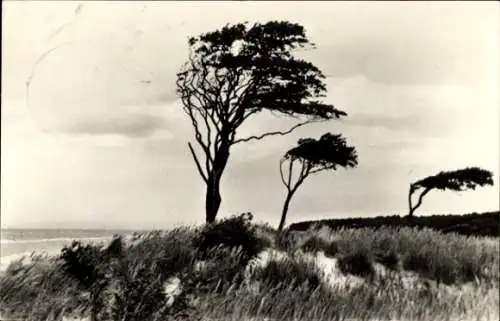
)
(16, 243)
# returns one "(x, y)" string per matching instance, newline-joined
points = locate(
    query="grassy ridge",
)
(484, 224)
(321, 274)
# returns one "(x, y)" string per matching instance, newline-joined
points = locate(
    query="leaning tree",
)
(313, 156)
(457, 180)
(236, 72)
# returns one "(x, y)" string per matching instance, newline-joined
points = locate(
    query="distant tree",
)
(313, 156)
(236, 72)
(458, 180)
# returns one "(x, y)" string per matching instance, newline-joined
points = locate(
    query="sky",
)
(94, 136)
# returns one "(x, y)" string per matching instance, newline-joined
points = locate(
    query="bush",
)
(391, 260)
(85, 263)
(358, 264)
(448, 271)
(233, 232)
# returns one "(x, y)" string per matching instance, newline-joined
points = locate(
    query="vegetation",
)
(458, 180)
(314, 156)
(237, 72)
(321, 274)
(233, 269)
(485, 224)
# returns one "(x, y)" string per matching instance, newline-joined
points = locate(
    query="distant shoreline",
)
(13, 250)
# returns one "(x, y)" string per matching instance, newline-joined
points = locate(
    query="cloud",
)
(407, 123)
(129, 124)
(411, 77)
(409, 43)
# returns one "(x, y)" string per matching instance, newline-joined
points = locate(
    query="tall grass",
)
(383, 274)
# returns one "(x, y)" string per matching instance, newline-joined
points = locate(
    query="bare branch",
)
(304, 172)
(199, 138)
(290, 173)
(275, 133)
(198, 165)
(282, 174)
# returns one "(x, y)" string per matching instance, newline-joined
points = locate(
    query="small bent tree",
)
(458, 180)
(313, 156)
(236, 72)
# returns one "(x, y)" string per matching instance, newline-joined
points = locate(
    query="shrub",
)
(236, 231)
(85, 263)
(448, 271)
(358, 264)
(391, 260)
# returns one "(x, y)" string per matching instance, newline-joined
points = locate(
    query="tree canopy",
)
(457, 180)
(236, 72)
(328, 152)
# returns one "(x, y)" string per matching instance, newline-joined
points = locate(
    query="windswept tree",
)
(236, 72)
(312, 156)
(458, 180)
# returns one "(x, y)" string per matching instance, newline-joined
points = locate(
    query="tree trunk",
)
(419, 202)
(213, 197)
(285, 209)
(410, 193)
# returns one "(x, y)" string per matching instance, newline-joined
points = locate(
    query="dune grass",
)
(383, 274)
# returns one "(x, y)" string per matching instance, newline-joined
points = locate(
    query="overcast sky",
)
(93, 134)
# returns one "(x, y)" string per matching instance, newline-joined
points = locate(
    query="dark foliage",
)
(458, 180)
(328, 152)
(485, 224)
(358, 264)
(450, 272)
(84, 262)
(233, 232)
(390, 260)
(418, 263)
